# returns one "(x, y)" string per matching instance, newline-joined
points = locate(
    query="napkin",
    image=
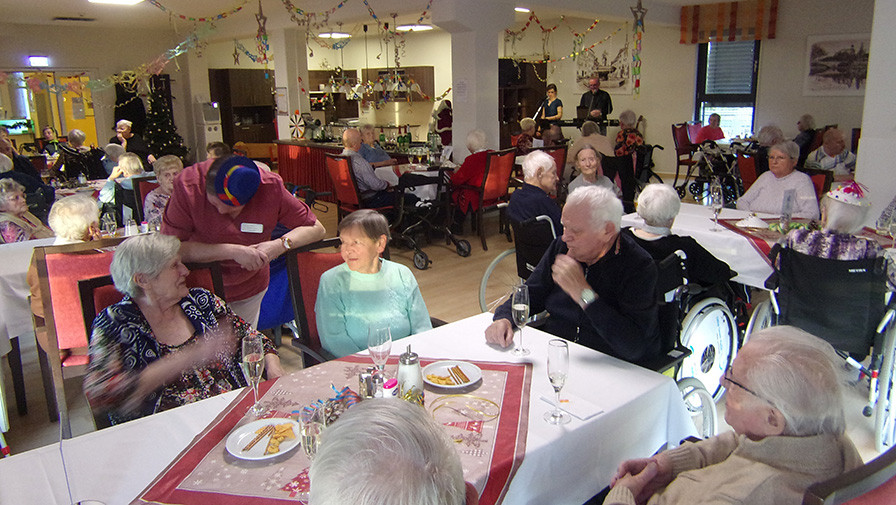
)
(576, 406)
(751, 222)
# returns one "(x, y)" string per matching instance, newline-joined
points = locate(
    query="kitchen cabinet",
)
(520, 92)
(246, 102)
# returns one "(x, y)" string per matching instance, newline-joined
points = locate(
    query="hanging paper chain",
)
(576, 53)
(201, 19)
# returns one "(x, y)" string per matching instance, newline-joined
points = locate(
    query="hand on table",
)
(569, 276)
(499, 332)
(643, 476)
(250, 257)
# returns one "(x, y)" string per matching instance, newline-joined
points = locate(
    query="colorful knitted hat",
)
(237, 180)
(851, 193)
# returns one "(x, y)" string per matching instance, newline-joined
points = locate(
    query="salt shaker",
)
(410, 377)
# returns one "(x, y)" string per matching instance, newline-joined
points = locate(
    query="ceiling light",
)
(521, 9)
(116, 2)
(334, 35)
(39, 61)
(413, 28)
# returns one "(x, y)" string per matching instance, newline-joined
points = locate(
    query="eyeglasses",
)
(727, 377)
(778, 158)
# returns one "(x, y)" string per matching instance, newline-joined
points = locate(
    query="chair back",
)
(870, 484)
(305, 265)
(694, 130)
(559, 153)
(681, 138)
(821, 180)
(345, 186)
(142, 186)
(532, 238)
(746, 165)
(39, 162)
(498, 166)
(840, 301)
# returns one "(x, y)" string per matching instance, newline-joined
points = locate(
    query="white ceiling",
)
(353, 13)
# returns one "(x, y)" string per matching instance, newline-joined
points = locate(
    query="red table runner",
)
(490, 450)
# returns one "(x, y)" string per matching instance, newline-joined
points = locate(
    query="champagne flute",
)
(520, 308)
(379, 344)
(253, 366)
(311, 425)
(717, 201)
(558, 368)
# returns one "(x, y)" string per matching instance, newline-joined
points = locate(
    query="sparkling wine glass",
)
(520, 308)
(311, 425)
(253, 366)
(379, 343)
(558, 368)
(717, 201)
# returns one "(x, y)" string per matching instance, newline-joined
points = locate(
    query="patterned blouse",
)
(841, 246)
(123, 344)
(154, 206)
(627, 140)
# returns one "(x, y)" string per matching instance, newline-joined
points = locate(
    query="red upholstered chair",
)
(694, 130)
(821, 179)
(143, 185)
(348, 198)
(59, 268)
(871, 484)
(684, 147)
(493, 194)
(746, 165)
(559, 153)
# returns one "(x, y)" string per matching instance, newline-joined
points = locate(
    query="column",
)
(290, 64)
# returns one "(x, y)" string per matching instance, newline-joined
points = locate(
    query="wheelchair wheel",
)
(710, 332)
(701, 406)
(885, 419)
(463, 248)
(421, 260)
(761, 318)
(498, 281)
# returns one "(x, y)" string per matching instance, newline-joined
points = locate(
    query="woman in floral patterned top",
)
(163, 345)
(165, 168)
(628, 137)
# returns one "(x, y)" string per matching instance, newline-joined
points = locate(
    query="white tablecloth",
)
(736, 250)
(563, 464)
(428, 192)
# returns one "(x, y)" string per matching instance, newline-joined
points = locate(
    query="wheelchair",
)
(846, 303)
(713, 163)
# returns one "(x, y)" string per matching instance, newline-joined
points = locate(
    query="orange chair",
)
(559, 153)
(684, 149)
(59, 268)
(746, 165)
(821, 179)
(348, 198)
(493, 192)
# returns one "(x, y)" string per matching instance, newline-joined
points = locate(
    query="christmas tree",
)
(161, 134)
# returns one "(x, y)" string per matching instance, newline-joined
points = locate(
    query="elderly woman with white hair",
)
(163, 345)
(76, 159)
(628, 138)
(16, 223)
(524, 142)
(166, 169)
(470, 173)
(658, 205)
(768, 136)
(590, 173)
(131, 142)
(785, 406)
(128, 167)
(533, 198)
(767, 193)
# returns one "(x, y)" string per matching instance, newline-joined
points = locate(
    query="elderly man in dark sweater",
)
(597, 284)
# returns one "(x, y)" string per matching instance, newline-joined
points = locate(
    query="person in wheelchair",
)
(843, 211)
(596, 284)
(533, 198)
(658, 205)
(785, 406)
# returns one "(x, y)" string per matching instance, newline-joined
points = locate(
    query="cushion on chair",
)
(64, 270)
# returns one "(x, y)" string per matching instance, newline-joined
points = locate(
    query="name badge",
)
(251, 228)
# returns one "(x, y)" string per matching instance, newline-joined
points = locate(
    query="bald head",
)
(834, 142)
(351, 139)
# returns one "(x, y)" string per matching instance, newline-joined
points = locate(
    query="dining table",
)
(619, 411)
(424, 189)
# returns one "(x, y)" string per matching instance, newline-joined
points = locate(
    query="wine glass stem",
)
(557, 413)
(255, 395)
(519, 343)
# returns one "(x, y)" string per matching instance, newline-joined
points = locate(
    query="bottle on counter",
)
(410, 378)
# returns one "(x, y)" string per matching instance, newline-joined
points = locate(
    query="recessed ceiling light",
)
(413, 28)
(116, 2)
(521, 9)
(334, 35)
(39, 61)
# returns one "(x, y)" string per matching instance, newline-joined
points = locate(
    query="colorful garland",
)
(200, 19)
(576, 53)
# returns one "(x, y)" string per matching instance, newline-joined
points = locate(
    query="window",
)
(726, 84)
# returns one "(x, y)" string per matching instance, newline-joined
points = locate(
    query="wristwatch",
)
(286, 243)
(588, 295)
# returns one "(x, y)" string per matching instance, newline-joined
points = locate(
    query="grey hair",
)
(370, 222)
(76, 137)
(5, 164)
(366, 127)
(808, 121)
(605, 207)
(796, 374)
(386, 451)
(589, 128)
(658, 204)
(72, 216)
(8, 190)
(770, 135)
(114, 151)
(130, 164)
(590, 147)
(627, 119)
(143, 254)
(167, 163)
(476, 140)
(537, 160)
(124, 122)
(527, 123)
(843, 217)
(787, 147)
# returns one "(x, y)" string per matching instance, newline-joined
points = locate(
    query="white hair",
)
(602, 203)
(788, 147)
(9, 189)
(535, 161)
(114, 151)
(71, 217)
(124, 122)
(130, 164)
(808, 121)
(5, 164)
(143, 254)
(76, 137)
(386, 451)
(476, 140)
(627, 119)
(658, 204)
(167, 163)
(843, 217)
(589, 128)
(527, 123)
(770, 135)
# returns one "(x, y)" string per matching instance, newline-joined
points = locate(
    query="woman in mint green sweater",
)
(366, 290)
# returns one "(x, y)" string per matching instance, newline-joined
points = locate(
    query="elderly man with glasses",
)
(784, 404)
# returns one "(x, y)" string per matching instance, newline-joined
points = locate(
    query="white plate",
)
(241, 437)
(441, 368)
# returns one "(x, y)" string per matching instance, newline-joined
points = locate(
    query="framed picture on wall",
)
(836, 65)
